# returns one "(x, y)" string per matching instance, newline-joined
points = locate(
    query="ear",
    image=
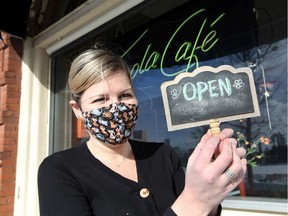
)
(76, 109)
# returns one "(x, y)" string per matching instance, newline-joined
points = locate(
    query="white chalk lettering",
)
(211, 89)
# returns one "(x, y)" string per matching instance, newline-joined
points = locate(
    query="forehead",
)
(116, 82)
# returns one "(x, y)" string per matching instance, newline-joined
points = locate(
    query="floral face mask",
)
(112, 124)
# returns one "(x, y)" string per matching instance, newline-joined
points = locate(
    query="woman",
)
(113, 175)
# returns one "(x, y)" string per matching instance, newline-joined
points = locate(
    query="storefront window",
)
(161, 42)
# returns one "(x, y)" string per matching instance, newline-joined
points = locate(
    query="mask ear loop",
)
(79, 120)
(77, 100)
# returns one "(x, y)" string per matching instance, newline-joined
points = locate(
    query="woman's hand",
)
(207, 181)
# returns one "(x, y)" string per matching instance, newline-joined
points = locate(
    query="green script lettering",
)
(189, 58)
(185, 52)
(150, 63)
(210, 36)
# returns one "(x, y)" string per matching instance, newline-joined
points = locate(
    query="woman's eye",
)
(99, 100)
(126, 95)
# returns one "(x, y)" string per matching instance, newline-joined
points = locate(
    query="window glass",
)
(163, 39)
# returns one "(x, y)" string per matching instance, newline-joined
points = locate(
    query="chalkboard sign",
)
(223, 93)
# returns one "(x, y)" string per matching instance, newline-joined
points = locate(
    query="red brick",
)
(6, 208)
(5, 200)
(10, 147)
(5, 155)
(7, 113)
(12, 100)
(8, 170)
(10, 90)
(8, 141)
(9, 127)
(6, 192)
(10, 74)
(11, 81)
(8, 177)
(13, 95)
(8, 163)
(8, 134)
(8, 183)
(9, 120)
(12, 106)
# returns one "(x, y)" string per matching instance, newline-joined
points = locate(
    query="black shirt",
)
(74, 183)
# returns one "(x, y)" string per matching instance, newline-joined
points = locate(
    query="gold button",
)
(144, 192)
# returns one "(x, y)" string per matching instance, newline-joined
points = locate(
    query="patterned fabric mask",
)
(112, 124)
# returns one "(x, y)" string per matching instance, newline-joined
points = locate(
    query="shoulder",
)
(62, 160)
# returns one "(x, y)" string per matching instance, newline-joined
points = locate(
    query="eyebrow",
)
(104, 95)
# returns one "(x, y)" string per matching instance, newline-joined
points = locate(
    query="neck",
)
(110, 154)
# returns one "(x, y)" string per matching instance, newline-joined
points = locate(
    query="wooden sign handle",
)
(214, 127)
(215, 131)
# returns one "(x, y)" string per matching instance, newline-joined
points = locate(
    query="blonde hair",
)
(92, 66)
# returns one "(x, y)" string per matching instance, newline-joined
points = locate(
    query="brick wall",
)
(10, 83)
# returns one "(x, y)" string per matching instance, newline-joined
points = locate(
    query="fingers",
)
(226, 133)
(207, 180)
(205, 150)
(241, 152)
(224, 159)
(236, 171)
(208, 150)
(209, 146)
(206, 136)
(199, 148)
